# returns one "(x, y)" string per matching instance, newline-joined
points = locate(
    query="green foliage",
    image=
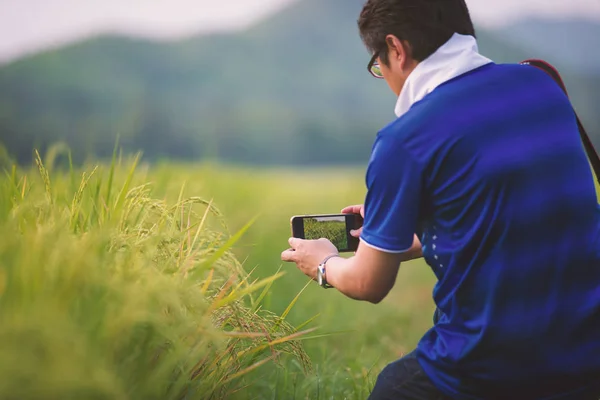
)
(100, 301)
(360, 338)
(109, 293)
(5, 160)
(332, 230)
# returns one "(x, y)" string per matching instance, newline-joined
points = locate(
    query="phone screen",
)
(332, 228)
(336, 228)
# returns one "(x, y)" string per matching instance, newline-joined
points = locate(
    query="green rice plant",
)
(5, 159)
(335, 231)
(109, 293)
(53, 153)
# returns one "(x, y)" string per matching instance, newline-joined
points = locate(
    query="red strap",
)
(587, 143)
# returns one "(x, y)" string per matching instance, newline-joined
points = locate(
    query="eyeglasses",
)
(374, 67)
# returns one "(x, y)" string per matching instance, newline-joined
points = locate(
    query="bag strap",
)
(587, 143)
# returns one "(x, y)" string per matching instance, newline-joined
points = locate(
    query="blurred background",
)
(265, 107)
(270, 82)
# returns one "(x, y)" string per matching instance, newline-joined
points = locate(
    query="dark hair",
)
(425, 24)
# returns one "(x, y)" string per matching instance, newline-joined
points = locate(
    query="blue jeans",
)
(405, 380)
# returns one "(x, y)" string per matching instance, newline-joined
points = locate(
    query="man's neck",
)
(456, 57)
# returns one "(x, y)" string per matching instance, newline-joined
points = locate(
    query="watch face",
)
(319, 277)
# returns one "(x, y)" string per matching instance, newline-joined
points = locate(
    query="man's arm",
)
(391, 211)
(370, 274)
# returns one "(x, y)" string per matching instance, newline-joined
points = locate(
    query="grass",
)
(345, 365)
(126, 281)
(335, 231)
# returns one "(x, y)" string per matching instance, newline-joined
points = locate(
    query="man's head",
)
(401, 33)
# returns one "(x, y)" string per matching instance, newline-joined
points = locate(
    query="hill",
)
(571, 42)
(572, 45)
(291, 90)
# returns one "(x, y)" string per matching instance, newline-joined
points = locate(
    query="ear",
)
(398, 50)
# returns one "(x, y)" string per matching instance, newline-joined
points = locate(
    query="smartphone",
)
(335, 227)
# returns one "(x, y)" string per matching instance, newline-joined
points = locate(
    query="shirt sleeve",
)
(392, 206)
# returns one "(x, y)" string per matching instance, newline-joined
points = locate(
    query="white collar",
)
(457, 56)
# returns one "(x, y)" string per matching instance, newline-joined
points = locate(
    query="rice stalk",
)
(45, 177)
(99, 290)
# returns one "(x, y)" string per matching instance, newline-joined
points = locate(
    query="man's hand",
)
(359, 209)
(308, 254)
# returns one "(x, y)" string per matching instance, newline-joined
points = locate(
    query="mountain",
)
(572, 46)
(293, 89)
(572, 43)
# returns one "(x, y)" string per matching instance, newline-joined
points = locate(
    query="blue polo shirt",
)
(491, 169)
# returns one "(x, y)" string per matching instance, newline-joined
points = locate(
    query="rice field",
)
(128, 281)
(335, 231)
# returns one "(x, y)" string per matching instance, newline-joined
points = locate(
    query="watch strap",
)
(322, 271)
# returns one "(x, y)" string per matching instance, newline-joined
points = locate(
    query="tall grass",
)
(109, 293)
(368, 337)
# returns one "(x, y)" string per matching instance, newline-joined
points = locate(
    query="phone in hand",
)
(334, 227)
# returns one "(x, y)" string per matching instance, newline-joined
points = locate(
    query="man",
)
(486, 163)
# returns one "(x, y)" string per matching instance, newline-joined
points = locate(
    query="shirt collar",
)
(457, 56)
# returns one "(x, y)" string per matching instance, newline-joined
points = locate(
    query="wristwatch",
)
(321, 279)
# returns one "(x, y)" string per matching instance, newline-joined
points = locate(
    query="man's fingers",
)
(356, 232)
(352, 209)
(294, 242)
(288, 255)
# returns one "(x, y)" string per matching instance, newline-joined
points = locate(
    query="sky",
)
(27, 26)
